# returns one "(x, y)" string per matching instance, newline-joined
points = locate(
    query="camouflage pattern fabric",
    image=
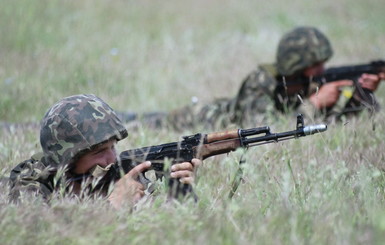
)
(255, 99)
(31, 176)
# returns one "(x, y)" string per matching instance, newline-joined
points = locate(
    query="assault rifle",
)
(203, 146)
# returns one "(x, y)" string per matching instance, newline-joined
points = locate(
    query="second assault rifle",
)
(351, 72)
(203, 146)
(361, 96)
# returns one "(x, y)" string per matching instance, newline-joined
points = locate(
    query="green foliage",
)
(155, 55)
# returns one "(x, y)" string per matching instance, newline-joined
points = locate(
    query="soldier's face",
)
(102, 155)
(314, 70)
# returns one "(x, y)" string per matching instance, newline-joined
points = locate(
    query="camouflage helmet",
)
(75, 124)
(302, 48)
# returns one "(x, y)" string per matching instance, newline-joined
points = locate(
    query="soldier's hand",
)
(185, 171)
(328, 95)
(371, 81)
(127, 190)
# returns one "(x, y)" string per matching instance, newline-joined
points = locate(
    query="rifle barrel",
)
(313, 129)
(299, 132)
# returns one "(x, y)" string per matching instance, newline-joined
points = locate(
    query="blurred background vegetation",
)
(156, 55)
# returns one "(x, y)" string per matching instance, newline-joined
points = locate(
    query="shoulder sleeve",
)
(30, 177)
(255, 96)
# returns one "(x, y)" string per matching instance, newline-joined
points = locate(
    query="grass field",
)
(155, 55)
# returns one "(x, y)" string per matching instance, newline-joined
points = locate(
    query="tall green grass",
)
(155, 55)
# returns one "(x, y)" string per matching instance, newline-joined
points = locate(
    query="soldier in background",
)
(301, 53)
(78, 136)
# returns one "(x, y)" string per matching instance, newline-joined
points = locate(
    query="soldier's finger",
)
(196, 162)
(343, 83)
(370, 76)
(134, 173)
(187, 180)
(182, 166)
(181, 174)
